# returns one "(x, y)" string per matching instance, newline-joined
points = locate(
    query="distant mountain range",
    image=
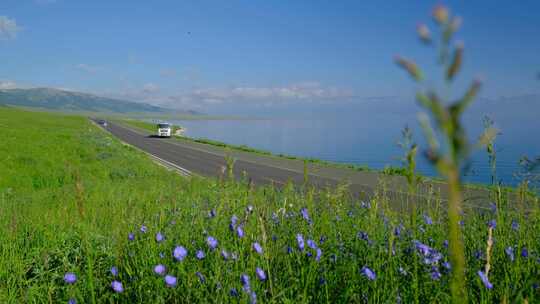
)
(55, 99)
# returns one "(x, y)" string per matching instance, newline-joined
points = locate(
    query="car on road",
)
(164, 129)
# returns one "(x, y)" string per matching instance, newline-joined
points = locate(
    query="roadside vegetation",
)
(86, 219)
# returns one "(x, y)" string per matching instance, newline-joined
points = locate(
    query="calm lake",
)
(367, 139)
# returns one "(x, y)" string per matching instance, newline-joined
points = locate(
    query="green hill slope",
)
(54, 99)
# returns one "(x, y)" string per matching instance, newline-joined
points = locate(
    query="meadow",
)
(76, 201)
(86, 219)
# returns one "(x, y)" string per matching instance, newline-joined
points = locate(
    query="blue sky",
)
(215, 54)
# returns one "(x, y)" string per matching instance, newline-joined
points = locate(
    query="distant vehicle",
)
(164, 129)
(102, 122)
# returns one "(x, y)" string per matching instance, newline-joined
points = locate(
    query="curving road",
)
(209, 161)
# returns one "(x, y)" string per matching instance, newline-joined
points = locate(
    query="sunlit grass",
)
(71, 195)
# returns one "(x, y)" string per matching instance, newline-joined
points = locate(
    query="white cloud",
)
(206, 97)
(8, 28)
(302, 91)
(7, 84)
(91, 69)
(150, 88)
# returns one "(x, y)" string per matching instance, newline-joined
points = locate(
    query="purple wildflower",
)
(485, 279)
(289, 250)
(252, 298)
(260, 274)
(212, 213)
(234, 221)
(524, 252)
(322, 281)
(72, 301)
(159, 269)
(368, 273)
(319, 254)
(212, 242)
(180, 253)
(225, 254)
(144, 229)
(257, 247)
(117, 286)
(445, 243)
(510, 253)
(131, 236)
(435, 274)
(159, 237)
(200, 255)
(447, 265)
(492, 224)
(170, 280)
(362, 235)
(515, 225)
(427, 220)
(70, 278)
(300, 241)
(322, 239)
(365, 205)
(244, 279)
(397, 231)
(200, 276)
(311, 244)
(233, 292)
(305, 215)
(240, 231)
(422, 248)
(114, 271)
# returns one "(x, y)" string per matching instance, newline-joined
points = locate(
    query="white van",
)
(164, 129)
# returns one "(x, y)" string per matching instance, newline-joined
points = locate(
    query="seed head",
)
(423, 33)
(440, 14)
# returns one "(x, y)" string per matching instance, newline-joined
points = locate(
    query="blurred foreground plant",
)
(452, 155)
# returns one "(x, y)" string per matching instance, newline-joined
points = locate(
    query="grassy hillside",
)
(53, 99)
(74, 200)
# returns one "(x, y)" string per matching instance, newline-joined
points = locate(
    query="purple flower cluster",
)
(179, 253)
(212, 242)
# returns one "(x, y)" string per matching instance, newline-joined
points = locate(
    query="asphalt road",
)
(206, 161)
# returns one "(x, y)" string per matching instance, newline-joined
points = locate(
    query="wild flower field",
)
(86, 219)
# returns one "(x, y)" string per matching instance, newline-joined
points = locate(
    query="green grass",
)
(70, 195)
